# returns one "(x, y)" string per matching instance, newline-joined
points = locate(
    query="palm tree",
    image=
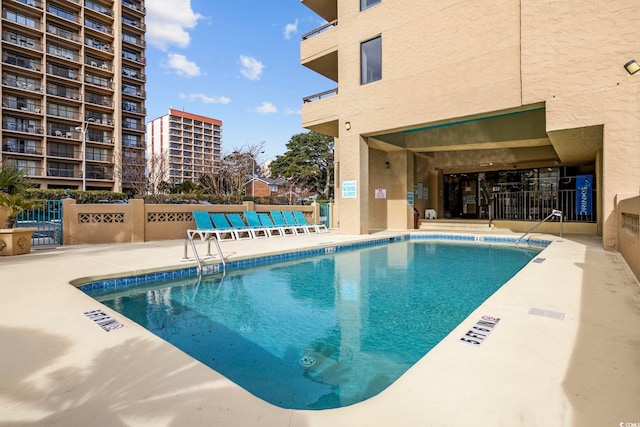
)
(13, 186)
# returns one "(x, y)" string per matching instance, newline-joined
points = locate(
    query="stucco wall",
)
(139, 222)
(629, 233)
(447, 61)
(572, 58)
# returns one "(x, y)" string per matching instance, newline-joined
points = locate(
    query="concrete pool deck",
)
(575, 362)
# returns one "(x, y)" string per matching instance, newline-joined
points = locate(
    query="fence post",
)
(69, 220)
(138, 220)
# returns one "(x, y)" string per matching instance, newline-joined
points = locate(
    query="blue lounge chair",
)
(205, 229)
(254, 224)
(222, 225)
(290, 220)
(278, 220)
(266, 222)
(241, 228)
(303, 221)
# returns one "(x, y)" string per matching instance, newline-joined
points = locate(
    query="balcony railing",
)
(15, 148)
(63, 173)
(21, 127)
(319, 30)
(20, 84)
(320, 95)
(537, 205)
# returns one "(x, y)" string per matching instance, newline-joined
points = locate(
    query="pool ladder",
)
(553, 213)
(204, 235)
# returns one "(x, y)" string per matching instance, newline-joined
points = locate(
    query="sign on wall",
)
(349, 189)
(381, 193)
(584, 185)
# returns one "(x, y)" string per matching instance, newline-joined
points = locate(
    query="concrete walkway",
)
(574, 362)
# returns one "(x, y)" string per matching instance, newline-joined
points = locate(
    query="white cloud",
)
(290, 29)
(288, 111)
(251, 67)
(168, 22)
(182, 66)
(266, 108)
(206, 99)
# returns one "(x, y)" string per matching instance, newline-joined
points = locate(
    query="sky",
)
(237, 61)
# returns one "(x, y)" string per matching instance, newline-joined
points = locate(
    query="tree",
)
(13, 186)
(236, 168)
(308, 163)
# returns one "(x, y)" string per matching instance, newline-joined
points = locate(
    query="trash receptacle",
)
(416, 217)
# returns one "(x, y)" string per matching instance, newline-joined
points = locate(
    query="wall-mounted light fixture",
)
(347, 125)
(387, 165)
(632, 67)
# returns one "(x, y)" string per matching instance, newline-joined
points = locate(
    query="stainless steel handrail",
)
(555, 212)
(208, 236)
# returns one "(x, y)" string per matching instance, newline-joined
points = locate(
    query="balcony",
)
(64, 34)
(63, 173)
(21, 149)
(21, 105)
(21, 62)
(134, 6)
(319, 51)
(33, 3)
(63, 133)
(319, 113)
(327, 9)
(22, 41)
(22, 127)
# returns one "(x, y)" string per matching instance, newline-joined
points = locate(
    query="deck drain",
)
(547, 313)
(246, 328)
(307, 361)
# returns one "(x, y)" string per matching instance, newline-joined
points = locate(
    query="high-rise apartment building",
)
(482, 111)
(182, 146)
(73, 92)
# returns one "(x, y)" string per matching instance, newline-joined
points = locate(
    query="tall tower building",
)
(184, 145)
(73, 92)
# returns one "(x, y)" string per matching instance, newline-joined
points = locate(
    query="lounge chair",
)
(242, 228)
(290, 220)
(303, 221)
(222, 225)
(205, 229)
(266, 222)
(278, 220)
(254, 223)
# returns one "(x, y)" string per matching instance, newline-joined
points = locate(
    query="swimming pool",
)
(326, 331)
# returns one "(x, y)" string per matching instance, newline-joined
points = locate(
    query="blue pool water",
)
(326, 331)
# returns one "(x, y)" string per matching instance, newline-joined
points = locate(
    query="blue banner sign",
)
(584, 185)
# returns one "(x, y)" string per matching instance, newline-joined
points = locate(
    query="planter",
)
(16, 241)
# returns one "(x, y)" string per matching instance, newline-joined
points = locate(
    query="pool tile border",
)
(181, 273)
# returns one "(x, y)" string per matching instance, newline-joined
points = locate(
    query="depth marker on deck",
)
(102, 319)
(480, 331)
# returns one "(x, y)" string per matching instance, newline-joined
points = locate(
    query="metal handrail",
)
(208, 236)
(555, 212)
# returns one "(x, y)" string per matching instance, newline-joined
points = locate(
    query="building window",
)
(366, 4)
(371, 60)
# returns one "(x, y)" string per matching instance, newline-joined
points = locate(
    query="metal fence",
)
(537, 205)
(325, 214)
(48, 220)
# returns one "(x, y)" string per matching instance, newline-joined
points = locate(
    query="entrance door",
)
(469, 187)
(461, 200)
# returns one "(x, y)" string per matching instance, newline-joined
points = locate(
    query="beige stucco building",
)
(188, 144)
(479, 110)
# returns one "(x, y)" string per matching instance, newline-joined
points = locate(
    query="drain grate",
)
(307, 361)
(547, 313)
